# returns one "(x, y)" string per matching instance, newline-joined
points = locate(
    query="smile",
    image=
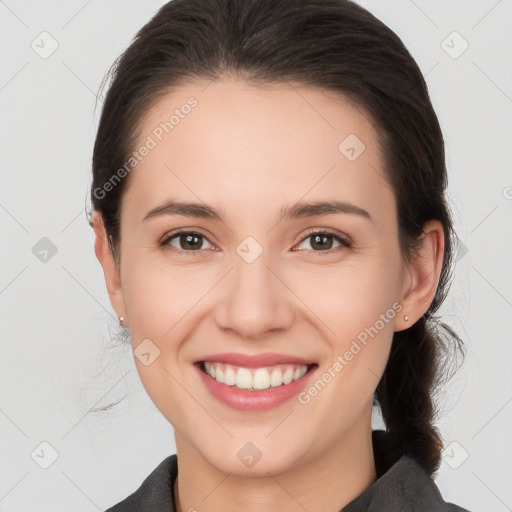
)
(254, 389)
(255, 379)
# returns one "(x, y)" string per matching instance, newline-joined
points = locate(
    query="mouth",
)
(257, 379)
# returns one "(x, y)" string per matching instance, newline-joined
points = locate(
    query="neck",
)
(327, 482)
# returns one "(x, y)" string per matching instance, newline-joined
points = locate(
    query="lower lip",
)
(262, 400)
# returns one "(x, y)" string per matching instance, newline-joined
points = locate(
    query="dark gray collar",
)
(405, 487)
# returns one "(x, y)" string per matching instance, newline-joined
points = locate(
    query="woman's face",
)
(261, 273)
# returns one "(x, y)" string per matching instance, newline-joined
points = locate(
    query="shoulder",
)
(155, 494)
(402, 484)
(404, 487)
(420, 490)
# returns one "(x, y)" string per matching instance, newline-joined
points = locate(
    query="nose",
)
(255, 300)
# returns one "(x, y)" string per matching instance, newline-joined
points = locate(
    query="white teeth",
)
(299, 372)
(276, 378)
(243, 378)
(288, 376)
(219, 375)
(230, 377)
(256, 379)
(261, 379)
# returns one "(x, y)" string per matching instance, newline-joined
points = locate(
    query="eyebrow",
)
(295, 211)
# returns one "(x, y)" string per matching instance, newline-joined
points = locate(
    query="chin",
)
(253, 458)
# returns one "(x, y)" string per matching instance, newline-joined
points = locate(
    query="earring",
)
(406, 318)
(121, 320)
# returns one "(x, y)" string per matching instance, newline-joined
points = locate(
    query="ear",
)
(110, 271)
(424, 272)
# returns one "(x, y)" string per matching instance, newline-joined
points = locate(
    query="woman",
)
(270, 215)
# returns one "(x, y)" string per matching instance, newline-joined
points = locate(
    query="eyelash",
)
(344, 242)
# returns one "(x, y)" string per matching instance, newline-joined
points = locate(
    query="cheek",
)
(351, 295)
(159, 300)
(355, 306)
(158, 295)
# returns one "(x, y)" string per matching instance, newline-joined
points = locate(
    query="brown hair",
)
(334, 45)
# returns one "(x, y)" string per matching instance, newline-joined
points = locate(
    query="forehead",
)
(235, 145)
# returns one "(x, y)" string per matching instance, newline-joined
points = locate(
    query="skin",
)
(248, 151)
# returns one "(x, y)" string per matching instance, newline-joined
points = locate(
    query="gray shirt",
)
(402, 486)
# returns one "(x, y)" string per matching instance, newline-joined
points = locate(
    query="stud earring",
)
(406, 318)
(121, 320)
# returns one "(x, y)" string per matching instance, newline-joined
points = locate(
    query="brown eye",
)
(192, 242)
(322, 241)
(187, 241)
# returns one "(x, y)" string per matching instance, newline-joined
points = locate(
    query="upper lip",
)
(257, 361)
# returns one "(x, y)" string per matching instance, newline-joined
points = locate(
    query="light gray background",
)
(55, 363)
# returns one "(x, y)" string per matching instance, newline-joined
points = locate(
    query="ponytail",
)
(406, 393)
